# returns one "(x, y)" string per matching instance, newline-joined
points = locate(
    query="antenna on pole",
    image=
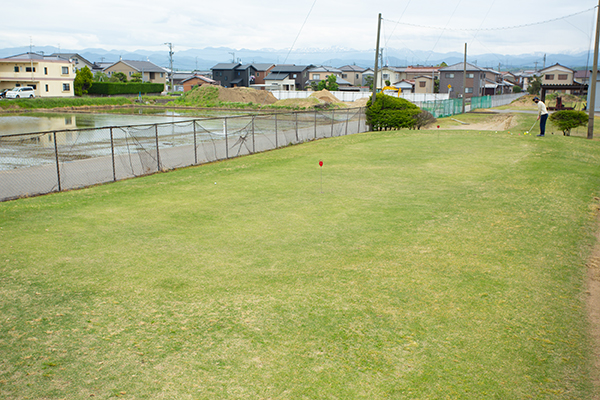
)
(170, 65)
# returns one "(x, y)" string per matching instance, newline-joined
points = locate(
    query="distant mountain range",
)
(204, 59)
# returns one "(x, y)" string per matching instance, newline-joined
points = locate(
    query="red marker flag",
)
(320, 163)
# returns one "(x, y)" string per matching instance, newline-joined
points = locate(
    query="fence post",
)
(296, 115)
(226, 142)
(253, 142)
(315, 123)
(276, 144)
(332, 121)
(347, 118)
(112, 151)
(157, 148)
(359, 114)
(57, 163)
(195, 145)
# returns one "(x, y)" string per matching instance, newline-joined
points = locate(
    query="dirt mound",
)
(246, 95)
(300, 103)
(325, 96)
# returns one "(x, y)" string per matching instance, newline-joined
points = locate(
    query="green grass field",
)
(428, 265)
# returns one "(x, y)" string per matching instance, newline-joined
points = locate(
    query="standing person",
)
(542, 115)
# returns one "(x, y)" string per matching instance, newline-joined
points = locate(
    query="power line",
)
(499, 28)
(302, 27)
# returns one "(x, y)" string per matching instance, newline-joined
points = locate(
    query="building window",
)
(257, 74)
(47, 89)
(45, 70)
(562, 77)
(471, 75)
(66, 87)
(344, 76)
(469, 90)
(422, 84)
(65, 70)
(316, 77)
(386, 76)
(29, 69)
(295, 76)
(550, 77)
(356, 76)
(16, 68)
(449, 75)
(162, 74)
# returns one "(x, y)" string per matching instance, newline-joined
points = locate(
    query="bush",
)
(111, 88)
(566, 120)
(391, 113)
(423, 118)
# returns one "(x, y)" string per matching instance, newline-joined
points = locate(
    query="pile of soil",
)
(325, 96)
(246, 95)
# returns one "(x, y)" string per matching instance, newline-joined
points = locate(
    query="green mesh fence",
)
(481, 102)
(443, 108)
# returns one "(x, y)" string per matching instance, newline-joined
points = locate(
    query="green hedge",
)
(390, 112)
(110, 88)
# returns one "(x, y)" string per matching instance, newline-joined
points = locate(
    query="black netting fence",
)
(45, 162)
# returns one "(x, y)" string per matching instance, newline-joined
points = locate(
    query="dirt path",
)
(593, 308)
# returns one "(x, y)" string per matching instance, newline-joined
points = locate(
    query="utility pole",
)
(592, 87)
(377, 59)
(465, 81)
(170, 65)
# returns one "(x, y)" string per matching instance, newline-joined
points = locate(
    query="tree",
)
(442, 64)
(332, 84)
(137, 77)
(118, 77)
(535, 85)
(566, 120)
(369, 81)
(100, 77)
(83, 81)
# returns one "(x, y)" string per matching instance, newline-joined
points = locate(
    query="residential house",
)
(412, 72)
(582, 76)
(48, 76)
(262, 70)
(353, 74)
(424, 84)
(78, 61)
(406, 86)
(224, 73)
(186, 81)
(391, 74)
(150, 72)
(237, 74)
(557, 75)
(524, 78)
(366, 75)
(322, 73)
(451, 80)
(288, 77)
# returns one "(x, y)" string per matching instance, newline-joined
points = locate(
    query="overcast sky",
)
(429, 25)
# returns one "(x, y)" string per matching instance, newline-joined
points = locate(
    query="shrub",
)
(566, 120)
(391, 113)
(110, 88)
(423, 118)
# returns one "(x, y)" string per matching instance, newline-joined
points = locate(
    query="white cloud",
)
(131, 25)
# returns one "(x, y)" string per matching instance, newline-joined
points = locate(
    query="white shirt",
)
(541, 108)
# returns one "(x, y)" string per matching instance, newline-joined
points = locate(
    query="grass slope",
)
(430, 265)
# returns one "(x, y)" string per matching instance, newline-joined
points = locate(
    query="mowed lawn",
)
(428, 265)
